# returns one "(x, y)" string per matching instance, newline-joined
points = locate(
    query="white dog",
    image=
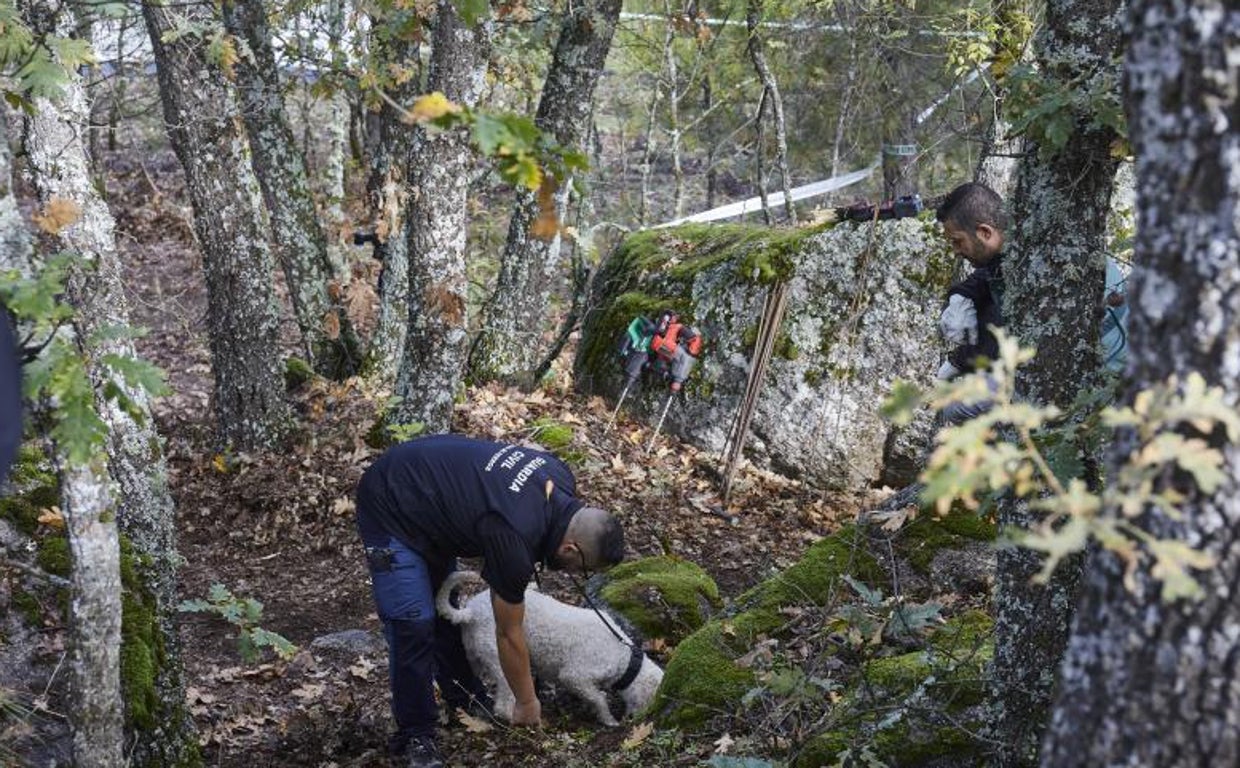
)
(569, 646)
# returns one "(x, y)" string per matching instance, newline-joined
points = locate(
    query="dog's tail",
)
(443, 601)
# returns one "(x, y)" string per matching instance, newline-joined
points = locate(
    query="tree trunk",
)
(759, 154)
(753, 15)
(14, 237)
(95, 615)
(150, 652)
(648, 153)
(243, 322)
(851, 78)
(96, 715)
(1001, 151)
(673, 112)
(1055, 272)
(339, 125)
(328, 339)
(389, 194)
(1145, 682)
(509, 347)
(436, 341)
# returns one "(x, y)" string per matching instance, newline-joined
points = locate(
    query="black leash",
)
(636, 656)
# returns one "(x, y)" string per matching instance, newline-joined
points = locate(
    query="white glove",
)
(947, 371)
(959, 321)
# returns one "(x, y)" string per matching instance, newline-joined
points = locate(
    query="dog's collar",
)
(636, 657)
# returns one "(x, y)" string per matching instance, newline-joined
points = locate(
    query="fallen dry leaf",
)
(309, 691)
(53, 518)
(636, 736)
(471, 723)
(57, 214)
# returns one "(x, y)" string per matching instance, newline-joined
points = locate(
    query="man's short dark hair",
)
(611, 543)
(972, 204)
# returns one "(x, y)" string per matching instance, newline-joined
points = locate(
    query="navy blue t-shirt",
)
(452, 496)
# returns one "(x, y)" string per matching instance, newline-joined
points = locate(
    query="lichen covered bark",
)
(59, 169)
(329, 341)
(509, 345)
(95, 614)
(388, 190)
(1146, 682)
(14, 239)
(1054, 270)
(200, 115)
(436, 340)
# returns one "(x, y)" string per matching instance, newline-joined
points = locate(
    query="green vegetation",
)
(702, 678)
(898, 708)
(663, 596)
(923, 538)
(813, 579)
(244, 613)
(142, 652)
(36, 489)
(297, 373)
(557, 437)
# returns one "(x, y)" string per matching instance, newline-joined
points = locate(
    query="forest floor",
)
(278, 527)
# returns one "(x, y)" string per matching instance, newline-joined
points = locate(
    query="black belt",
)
(630, 673)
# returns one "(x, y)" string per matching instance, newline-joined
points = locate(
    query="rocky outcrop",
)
(862, 307)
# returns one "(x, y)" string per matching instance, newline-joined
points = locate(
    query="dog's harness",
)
(636, 657)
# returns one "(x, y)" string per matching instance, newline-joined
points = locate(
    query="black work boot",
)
(423, 752)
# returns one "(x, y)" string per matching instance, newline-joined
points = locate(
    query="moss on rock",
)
(922, 539)
(702, 679)
(654, 270)
(36, 489)
(663, 596)
(551, 434)
(53, 555)
(948, 675)
(812, 578)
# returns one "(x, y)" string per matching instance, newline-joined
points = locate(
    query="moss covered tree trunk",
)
(436, 340)
(1147, 683)
(328, 339)
(200, 116)
(1054, 272)
(509, 346)
(151, 674)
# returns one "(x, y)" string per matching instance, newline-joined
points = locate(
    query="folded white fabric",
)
(958, 322)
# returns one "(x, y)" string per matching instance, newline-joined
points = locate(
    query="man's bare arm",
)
(514, 659)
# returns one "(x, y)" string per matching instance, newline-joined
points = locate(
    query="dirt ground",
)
(278, 528)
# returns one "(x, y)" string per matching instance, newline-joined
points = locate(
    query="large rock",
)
(862, 308)
(664, 596)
